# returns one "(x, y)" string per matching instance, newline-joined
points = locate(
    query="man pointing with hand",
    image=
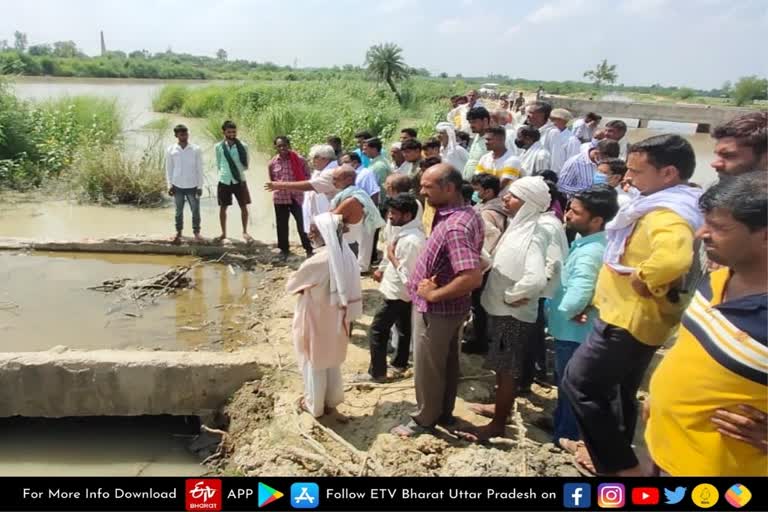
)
(447, 271)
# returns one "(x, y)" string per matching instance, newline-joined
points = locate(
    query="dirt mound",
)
(269, 436)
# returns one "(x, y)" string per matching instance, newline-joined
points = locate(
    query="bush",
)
(105, 174)
(170, 98)
(750, 88)
(38, 141)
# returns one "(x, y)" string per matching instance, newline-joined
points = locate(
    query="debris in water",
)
(168, 282)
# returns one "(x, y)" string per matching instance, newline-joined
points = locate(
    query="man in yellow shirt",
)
(640, 298)
(709, 396)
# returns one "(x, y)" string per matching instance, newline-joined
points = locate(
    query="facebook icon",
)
(577, 495)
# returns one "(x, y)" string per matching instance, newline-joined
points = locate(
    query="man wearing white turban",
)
(515, 282)
(330, 299)
(450, 151)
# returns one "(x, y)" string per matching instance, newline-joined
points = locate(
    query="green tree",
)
(603, 73)
(20, 41)
(685, 93)
(727, 88)
(749, 89)
(65, 49)
(221, 54)
(385, 63)
(39, 50)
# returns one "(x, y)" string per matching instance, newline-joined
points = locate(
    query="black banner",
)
(382, 494)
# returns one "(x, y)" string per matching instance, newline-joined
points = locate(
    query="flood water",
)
(66, 219)
(140, 446)
(63, 311)
(56, 220)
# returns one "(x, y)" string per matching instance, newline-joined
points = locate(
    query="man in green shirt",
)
(381, 169)
(232, 162)
(379, 165)
(479, 120)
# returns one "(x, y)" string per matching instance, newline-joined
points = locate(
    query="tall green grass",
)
(170, 98)
(308, 111)
(40, 140)
(107, 174)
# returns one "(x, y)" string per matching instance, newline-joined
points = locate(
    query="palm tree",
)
(603, 73)
(385, 63)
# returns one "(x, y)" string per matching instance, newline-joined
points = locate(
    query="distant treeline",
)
(63, 58)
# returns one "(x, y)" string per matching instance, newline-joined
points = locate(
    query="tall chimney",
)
(103, 46)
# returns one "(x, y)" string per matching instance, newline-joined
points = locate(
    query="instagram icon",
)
(610, 495)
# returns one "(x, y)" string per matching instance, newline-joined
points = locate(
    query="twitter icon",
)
(674, 497)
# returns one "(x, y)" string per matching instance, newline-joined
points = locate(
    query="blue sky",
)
(699, 43)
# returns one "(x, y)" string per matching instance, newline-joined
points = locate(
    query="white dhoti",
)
(322, 389)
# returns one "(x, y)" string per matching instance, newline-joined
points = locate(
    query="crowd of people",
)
(539, 225)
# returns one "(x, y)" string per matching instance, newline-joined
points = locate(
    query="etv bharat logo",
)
(203, 494)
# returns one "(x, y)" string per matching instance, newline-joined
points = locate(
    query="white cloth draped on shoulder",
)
(681, 199)
(452, 153)
(518, 268)
(346, 291)
(510, 257)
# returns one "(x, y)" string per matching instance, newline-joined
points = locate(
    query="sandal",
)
(578, 452)
(410, 429)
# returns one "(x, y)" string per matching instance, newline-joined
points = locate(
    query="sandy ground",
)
(268, 436)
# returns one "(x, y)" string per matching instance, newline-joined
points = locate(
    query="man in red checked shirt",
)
(287, 165)
(440, 286)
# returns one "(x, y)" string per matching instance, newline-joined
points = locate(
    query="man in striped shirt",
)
(707, 413)
(579, 171)
(499, 161)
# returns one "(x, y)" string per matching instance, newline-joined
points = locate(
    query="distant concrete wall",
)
(699, 114)
(59, 383)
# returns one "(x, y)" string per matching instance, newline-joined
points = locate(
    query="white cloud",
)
(452, 26)
(554, 10)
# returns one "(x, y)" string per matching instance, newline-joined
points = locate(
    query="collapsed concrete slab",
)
(60, 382)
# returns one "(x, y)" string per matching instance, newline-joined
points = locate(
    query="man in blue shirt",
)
(570, 313)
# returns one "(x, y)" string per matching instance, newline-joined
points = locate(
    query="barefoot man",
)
(330, 299)
(184, 175)
(232, 162)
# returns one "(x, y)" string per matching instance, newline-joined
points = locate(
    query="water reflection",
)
(53, 305)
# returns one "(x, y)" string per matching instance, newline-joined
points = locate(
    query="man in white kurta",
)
(566, 144)
(330, 298)
(532, 154)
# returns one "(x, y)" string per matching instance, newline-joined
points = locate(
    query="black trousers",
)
(601, 381)
(397, 313)
(536, 358)
(478, 338)
(283, 213)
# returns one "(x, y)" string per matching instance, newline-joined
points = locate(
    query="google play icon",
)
(267, 495)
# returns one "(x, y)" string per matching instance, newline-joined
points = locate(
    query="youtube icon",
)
(645, 496)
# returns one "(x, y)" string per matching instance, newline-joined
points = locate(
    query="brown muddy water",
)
(141, 446)
(45, 302)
